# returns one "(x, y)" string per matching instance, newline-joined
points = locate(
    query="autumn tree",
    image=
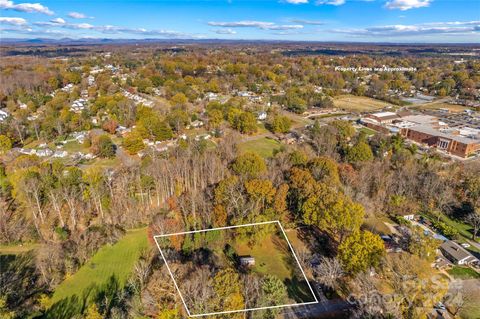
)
(228, 290)
(274, 292)
(280, 124)
(246, 123)
(332, 212)
(358, 153)
(103, 146)
(5, 144)
(249, 164)
(361, 250)
(422, 245)
(133, 142)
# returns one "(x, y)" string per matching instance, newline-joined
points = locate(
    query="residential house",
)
(456, 253)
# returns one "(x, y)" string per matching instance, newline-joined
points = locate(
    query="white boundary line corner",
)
(241, 310)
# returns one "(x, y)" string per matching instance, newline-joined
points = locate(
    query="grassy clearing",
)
(270, 256)
(274, 257)
(377, 225)
(440, 105)
(263, 146)
(324, 116)
(16, 249)
(463, 229)
(367, 131)
(111, 260)
(74, 146)
(358, 103)
(459, 272)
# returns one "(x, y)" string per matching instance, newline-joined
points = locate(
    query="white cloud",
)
(25, 7)
(242, 24)
(225, 31)
(58, 21)
(255, 24)
(77, 15)
(83, 26)
(312, 22)
(407, 4)
(13, 21)
(285, 27)
(330, 2)
(111, 29)
(400, 30)
(296, 1)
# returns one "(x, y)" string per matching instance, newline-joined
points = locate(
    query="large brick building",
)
(428, 130)
(449, 142)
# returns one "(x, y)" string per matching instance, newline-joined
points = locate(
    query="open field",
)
(367, 131)
(111, 260)
(358, 103)
(463, 229)
(459, 272)
(263, 146)
(442, 105)
(377, 225)
(16, 249)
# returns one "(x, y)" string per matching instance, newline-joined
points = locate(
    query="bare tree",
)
(329, 271)
(474, 220)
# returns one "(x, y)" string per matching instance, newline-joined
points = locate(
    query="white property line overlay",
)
(242, 310)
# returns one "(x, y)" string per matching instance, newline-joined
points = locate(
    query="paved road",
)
(324, 309)
(335, 308)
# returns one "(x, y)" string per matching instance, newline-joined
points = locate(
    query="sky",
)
(399, 21)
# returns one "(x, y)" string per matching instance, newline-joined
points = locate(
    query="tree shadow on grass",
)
(298, 290)
(74, 305)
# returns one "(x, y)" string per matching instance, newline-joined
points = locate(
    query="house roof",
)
(455, 250)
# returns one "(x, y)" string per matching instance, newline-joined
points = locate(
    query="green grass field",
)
(367, 131)
(270, 256)
(463, 229)
(358, 103)
(440, 105)
(274, 257)
(118, 260)
(262, 146)
(459, 272)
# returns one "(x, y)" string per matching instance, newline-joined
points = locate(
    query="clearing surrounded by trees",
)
(213, 268)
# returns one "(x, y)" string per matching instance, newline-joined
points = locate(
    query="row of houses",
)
(137, 98)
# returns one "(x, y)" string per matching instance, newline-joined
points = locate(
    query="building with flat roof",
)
(383, 117)
(428, 130)
(449, 141)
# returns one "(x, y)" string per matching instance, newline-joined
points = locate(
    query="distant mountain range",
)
(86, 41)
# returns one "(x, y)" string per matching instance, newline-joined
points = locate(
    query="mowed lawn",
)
(274, 257)
(459, 272)
(118, 260)
(271, 256)
(441, 105)
(358, 103)
(263, 146)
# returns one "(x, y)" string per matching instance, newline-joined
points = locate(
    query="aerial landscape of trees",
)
(336, 192)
